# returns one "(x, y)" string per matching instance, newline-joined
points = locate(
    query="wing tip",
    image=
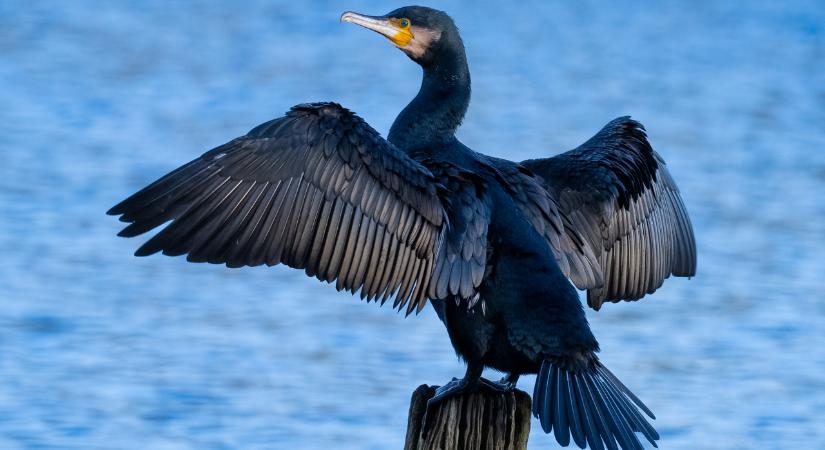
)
(143, 252)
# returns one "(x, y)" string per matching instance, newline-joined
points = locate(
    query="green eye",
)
(404, 23)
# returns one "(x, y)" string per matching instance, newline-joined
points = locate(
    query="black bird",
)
(498, 247)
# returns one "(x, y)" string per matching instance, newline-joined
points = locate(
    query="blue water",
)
(99, 349)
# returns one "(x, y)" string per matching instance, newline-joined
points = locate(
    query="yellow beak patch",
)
(402, 37)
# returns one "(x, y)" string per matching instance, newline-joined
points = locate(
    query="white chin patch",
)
(422, 39)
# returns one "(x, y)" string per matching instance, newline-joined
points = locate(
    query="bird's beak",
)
(381, 25)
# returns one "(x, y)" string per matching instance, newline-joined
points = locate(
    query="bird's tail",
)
(588, 402)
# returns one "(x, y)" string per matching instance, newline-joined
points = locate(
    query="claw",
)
(499, 387)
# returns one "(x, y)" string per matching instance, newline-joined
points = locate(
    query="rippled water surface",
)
(99, 349)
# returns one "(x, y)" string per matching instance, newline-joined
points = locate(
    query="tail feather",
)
(637, 421)
(591, 405)
(577, 426)
(588, 421)
(561, 423)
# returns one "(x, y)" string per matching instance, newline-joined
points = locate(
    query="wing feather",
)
(317, 189)
(622, 200)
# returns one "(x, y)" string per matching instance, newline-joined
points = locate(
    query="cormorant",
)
(498, 247)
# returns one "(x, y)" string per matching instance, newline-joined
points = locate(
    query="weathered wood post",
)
(481, 420)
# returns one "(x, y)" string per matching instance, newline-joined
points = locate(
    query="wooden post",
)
(481, 420)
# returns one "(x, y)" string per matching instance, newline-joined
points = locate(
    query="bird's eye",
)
(404, 23)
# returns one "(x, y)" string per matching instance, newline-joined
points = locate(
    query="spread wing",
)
(317, 189)
(618, 194)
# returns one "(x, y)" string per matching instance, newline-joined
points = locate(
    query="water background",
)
(101, 350)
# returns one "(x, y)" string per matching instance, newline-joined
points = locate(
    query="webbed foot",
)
(451, 389)
(468, 385)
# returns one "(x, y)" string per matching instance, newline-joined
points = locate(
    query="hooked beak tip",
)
(347, 16)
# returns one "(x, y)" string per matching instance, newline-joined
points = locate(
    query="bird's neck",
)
(434, 114)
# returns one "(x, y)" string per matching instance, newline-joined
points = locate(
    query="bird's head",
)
(426, 35)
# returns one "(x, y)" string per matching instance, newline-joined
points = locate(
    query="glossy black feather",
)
(617, 179)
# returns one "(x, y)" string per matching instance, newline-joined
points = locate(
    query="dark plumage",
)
(492, 243)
